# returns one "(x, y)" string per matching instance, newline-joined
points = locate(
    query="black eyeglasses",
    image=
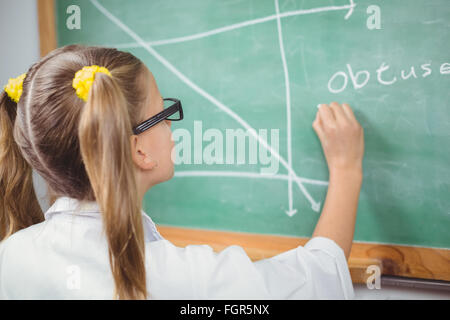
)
(174, 112)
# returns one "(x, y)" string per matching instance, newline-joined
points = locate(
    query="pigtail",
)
(19, 206)
(104, 131)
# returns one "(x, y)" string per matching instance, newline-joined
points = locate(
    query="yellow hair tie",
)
(84, 78)
(14, 87)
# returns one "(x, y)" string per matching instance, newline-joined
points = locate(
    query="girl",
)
(79, 118)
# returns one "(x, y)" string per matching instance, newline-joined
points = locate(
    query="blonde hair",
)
(81, 149)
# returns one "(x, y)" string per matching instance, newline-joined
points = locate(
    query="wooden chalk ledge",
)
(393, 260)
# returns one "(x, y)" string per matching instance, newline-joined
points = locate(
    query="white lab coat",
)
(66, 257)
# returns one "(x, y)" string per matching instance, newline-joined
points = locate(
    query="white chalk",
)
(318, 106)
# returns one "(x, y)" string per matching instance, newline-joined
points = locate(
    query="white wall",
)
(18, 22)
(20, 37)
(20, 49)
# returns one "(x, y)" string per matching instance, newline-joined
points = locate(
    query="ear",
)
(140, 157)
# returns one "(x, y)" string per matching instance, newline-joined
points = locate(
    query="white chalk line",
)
(349, 13)
(291, 211)
(243, 174)
(314, 205)
(239, 25)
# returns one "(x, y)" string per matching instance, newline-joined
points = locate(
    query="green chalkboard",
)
(239, 65)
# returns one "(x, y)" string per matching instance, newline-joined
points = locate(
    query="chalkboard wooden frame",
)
(393, 260)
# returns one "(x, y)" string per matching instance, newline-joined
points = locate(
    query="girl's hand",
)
(341, 136)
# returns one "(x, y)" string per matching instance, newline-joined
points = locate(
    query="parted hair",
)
(81, 149)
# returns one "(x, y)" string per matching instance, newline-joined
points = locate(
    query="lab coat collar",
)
(71, 205)
(74, 206)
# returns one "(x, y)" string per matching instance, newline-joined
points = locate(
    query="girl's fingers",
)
(317, 126)
(338, 112)
(348, 111)
(327, 116)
